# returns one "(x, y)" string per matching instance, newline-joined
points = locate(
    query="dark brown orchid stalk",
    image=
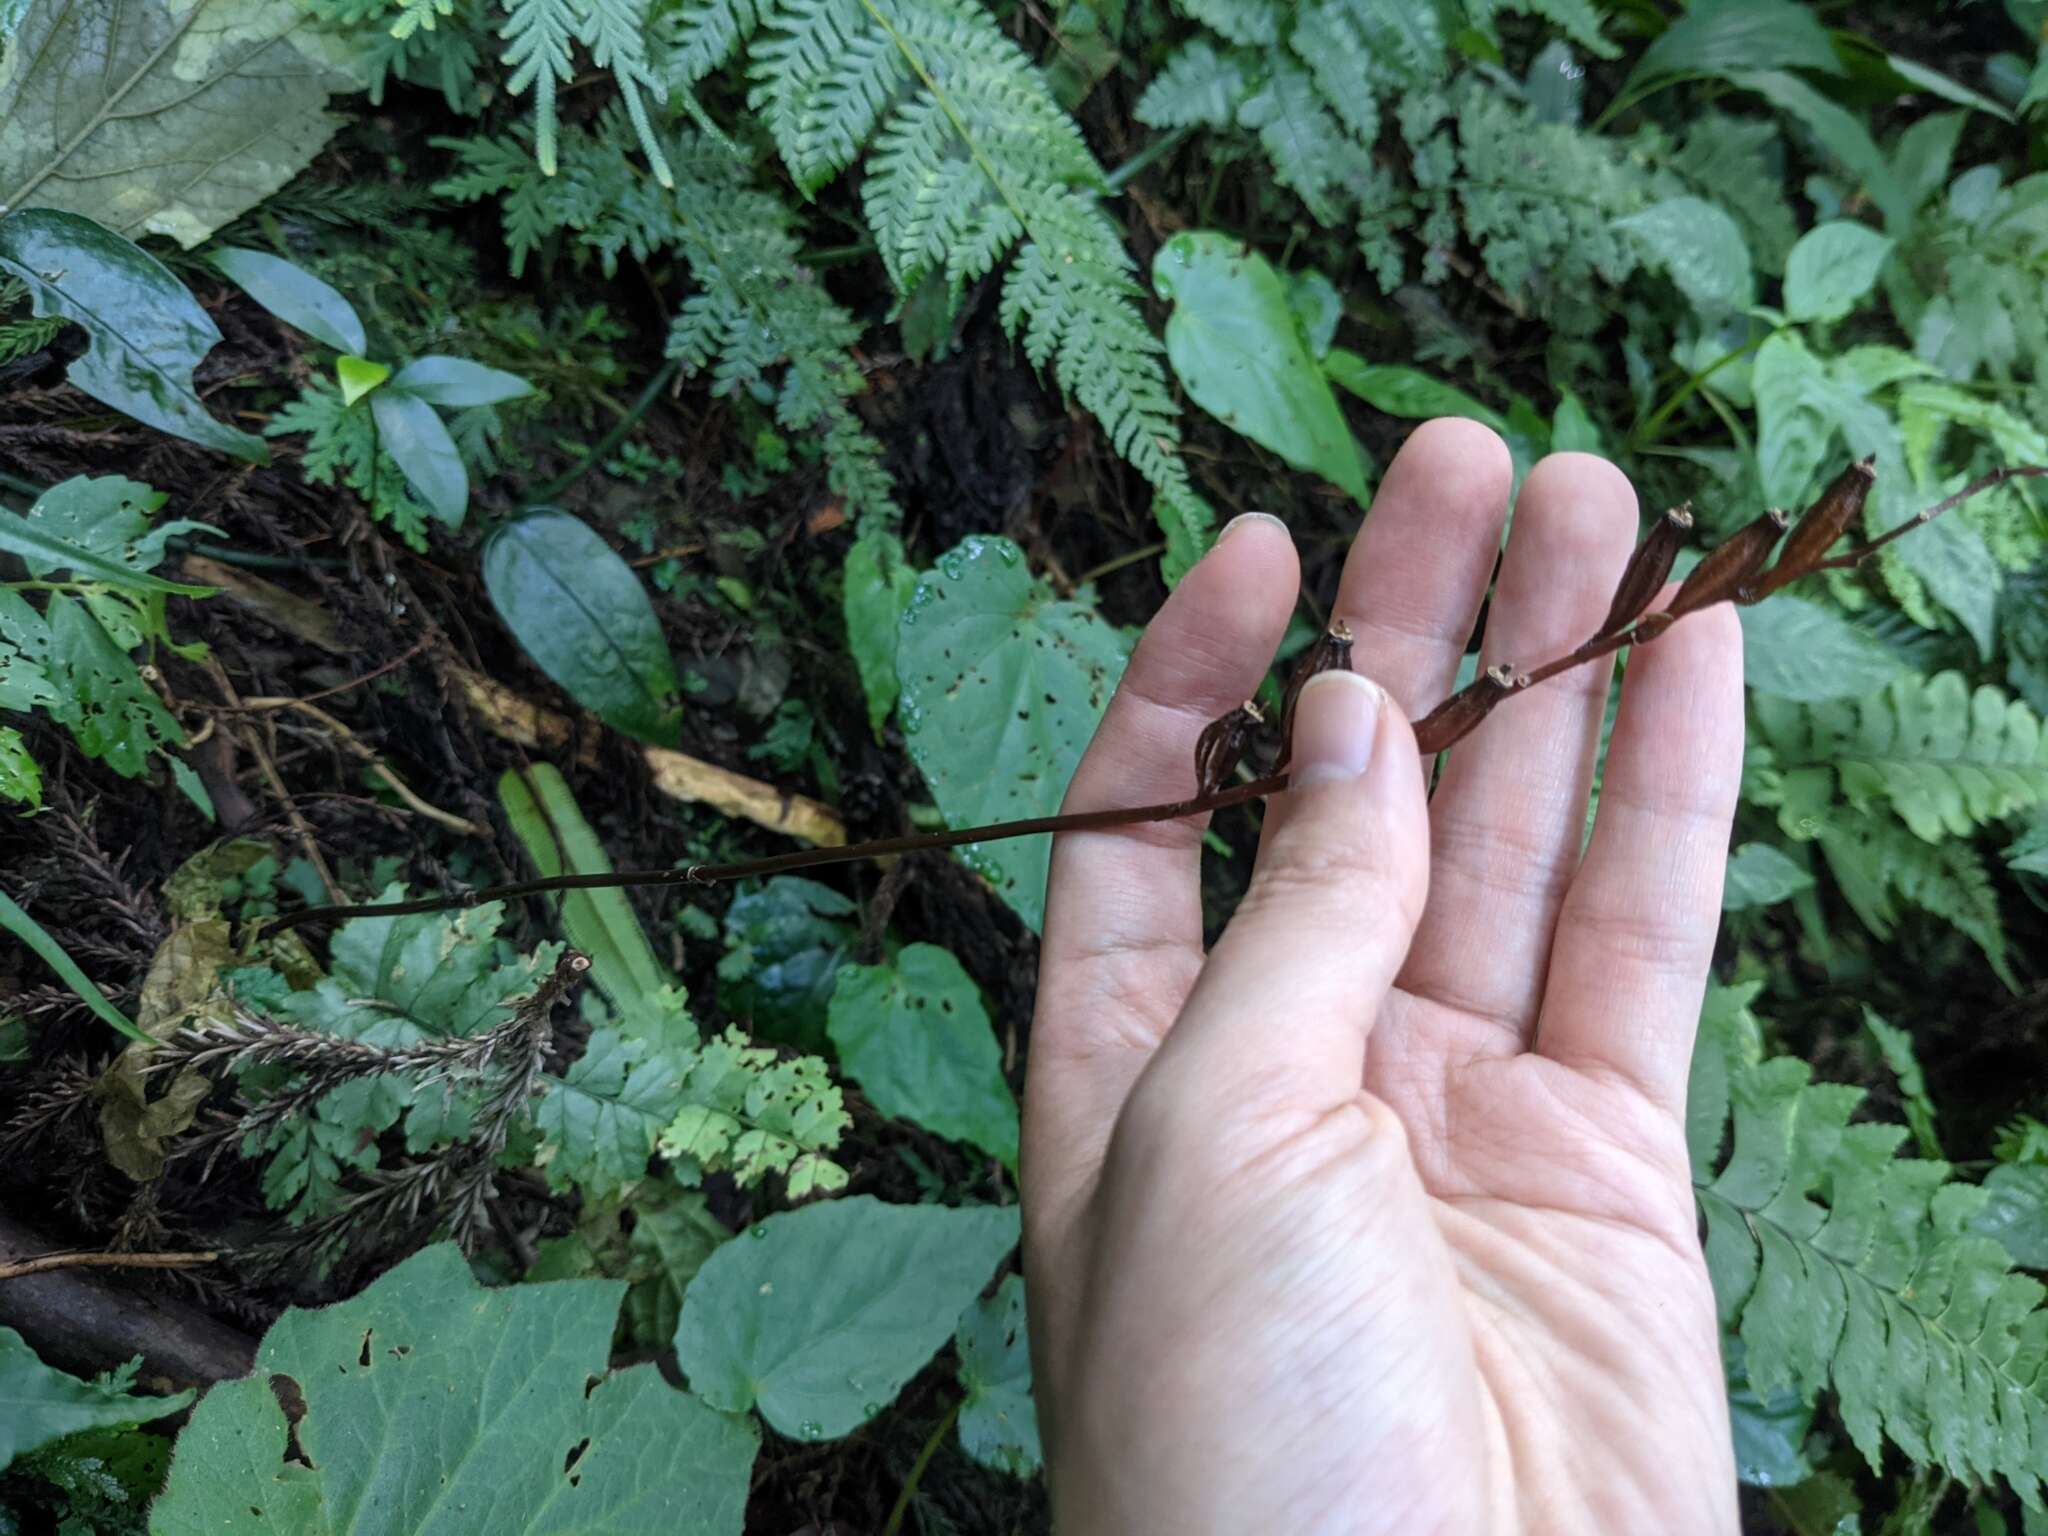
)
(1738, 570)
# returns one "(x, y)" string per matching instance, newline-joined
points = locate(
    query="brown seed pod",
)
(1330, 653)
(1459, 715)
(1819, 526)
(1731, 567)
(1222, 744)
(1647, 571)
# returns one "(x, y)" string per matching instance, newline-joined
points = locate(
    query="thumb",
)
(1290, 992)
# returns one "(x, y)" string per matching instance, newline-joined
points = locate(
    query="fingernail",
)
(1336, 719)
(1244, 518)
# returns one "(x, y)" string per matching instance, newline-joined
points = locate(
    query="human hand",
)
(1379, 1217)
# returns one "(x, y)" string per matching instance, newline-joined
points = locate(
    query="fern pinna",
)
(1942, 758)
(968, 158)
(1844, 1265)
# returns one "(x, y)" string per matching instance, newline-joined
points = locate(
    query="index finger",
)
(1123, 916)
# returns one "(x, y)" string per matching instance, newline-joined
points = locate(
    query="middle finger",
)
(1508, 819)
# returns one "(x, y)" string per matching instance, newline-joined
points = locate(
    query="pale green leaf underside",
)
(163, 117)
(439, 1408)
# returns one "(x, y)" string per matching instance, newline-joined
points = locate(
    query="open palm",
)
(1377, 1218)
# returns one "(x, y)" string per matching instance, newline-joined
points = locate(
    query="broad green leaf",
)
(1770, 1433)
(111, 712)
(146, 333)
(1702, 249)
(1832, 267)
(1715, 36)
(51, 953)
(1935, 83)
(1796, 648)
(1002, 687)
(295, 296)
(998, 1420)
(581, 613)
(819, 1316)
(1760, 875)
(357, 376)
(456, 382)
(164, 117)
(1404, 392)
(410, 430)
(439, 1408)
(913, 1033)
(1795, 424)
(39, 1404)
(98, 529)
(1316, 306)
(1961, 574)
(550, 826)
(20, 780)
(785, 940)
(876, 586)
(1239, 351)
(2015, 1212)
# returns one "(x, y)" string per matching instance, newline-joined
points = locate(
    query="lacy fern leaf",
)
(1846, 1267)
(1944, 758)
(969, 158)
(756, 308)
(538, 37)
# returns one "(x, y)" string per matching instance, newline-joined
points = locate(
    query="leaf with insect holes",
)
(819, 1316)
(146, 333)
(295, 296)
(582, 615)
(45, 1404)
(1002, 687)
(435, 1406)
(998, 1420)
(878, 581)
(1239, 350)
(912, 1032)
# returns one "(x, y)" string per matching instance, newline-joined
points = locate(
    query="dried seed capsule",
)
(1459, 715)
(1647, 571)
(1330, 653)
(1731, 567)
(1222, 744)
(1818, 527)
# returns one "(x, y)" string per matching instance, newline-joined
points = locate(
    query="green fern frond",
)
(1944, 758)
(1878, 863)
(1577, 19)
(756, 308)
(539, 35)
(970, 158)
(1199, 87)
(1250, 22)
(1846, 1267)
(695, 39)
(1303, 138)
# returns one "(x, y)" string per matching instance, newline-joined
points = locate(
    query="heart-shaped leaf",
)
(1238, 348)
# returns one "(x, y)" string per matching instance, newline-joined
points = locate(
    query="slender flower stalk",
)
(1734, 571)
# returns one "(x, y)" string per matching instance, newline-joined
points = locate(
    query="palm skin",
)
(1377, 1217)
